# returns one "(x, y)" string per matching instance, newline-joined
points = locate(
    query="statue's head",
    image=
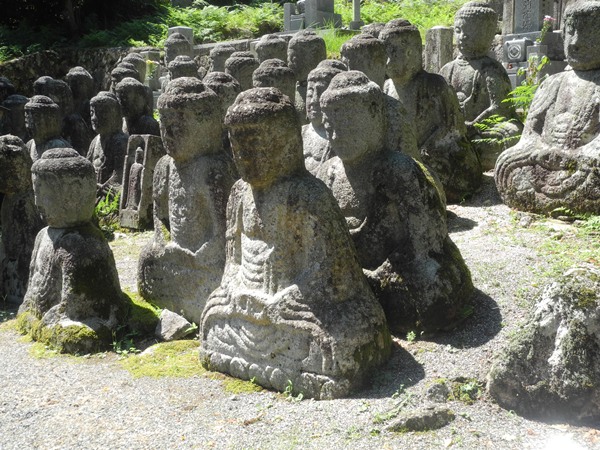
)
(318, 81)
(6, 88)
(175, 45)
(225, 86)
(265, 136)
(64, 184)
(133, 97)
(366, 53)
(271, 46)
(81, 83)
(105, 113)
(354, 115)
(190, 119)
(138, 62)
(404, 49)
(275, 73)
(581, 36)
(183, 66)
(305, 51)
(15, 165)
(241, 65)
(43, 118)
(58, 90)
(219, 55)
(474, 29)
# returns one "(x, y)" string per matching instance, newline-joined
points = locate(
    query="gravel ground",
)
(66, 402)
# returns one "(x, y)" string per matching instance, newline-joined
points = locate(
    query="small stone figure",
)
(73, 301)
(293, 309)
(305, 51)
(134, 188)
(136, 104)
(19, 218)
(44, 123)
(227, 88)
(432, 107)
(121, 72)
(107, 150)
(394, 212)
(556, 162)
(365, 53)
(177, 45)
(139, 63)
(218, 55)
(271, 46)
(81, 84)
(183, 66)
(481, 82)
(241, 65)
(13, 120)
(184, 263)
(6, 88)
(275, 73)
(315, 144)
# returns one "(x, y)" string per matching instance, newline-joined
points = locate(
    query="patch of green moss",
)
(9, 325)
(237, 386)
(143, 317)
(466, 390)
(167, 359)
(586, 298)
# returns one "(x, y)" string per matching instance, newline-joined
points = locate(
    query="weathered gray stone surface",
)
(271, 46)
(183, 66)
(73, 300)
(44, 123)
(81, 83)
(13, 118)
(275, 73)
(19, 219)
(227, 88)
(396, 217)
(481, 83)
(315, 144)
(241, 65)
(120, 72)
(366, 53)
(293, 309)
(184, 263)
(423, 419)
(136, 105)
(556, 164)
(175, 45)
(138, 62)
(374, 28)
(218, 55)
(172, 326)
(433, 110)
(107, 150)
(551, 368)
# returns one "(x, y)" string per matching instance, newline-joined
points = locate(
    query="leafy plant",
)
(411, 336)
(106, 213)
(496, 124)
(289, 393)
(522, 96)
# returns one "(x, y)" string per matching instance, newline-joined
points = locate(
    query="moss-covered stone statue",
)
(293, 309)
(44, 123)
(394, 212)
(556, 164)
(73, 300)
(481, 83)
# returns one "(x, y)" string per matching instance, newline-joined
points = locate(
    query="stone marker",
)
(293, 310)
(44, 123)
(73, 301)
(19, 218)
(550, 369)
(136, 104)
(271, 46)
(186, 32)
(556, 162)
(481, 83)
(365, 53)
(438, 48)
(184, 262)
(275, 73)
(396, 217)
(241, 65)
(315, 144)
(432, 107)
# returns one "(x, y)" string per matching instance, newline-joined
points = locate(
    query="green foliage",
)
(496, 124)
(289, 393)
(167, 359)
(466, 390)
(334, 39)
(522, 96)
(411, 336)
(106, 214)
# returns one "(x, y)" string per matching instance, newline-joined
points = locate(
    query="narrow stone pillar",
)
(438, 48)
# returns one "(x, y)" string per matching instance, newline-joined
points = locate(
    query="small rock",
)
(438, 393)
(428, 418)
(172, 326)
(526, 221)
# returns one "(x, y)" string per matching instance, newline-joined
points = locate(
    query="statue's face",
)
(474, 36)
(314, 89)
(42, 124)
(104, 119)
(404, 56)
(582, 41)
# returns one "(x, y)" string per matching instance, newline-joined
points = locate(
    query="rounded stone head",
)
(81, 83)
(6, 88)
(581, 35)
(183, 66)
(190, 119)
(176, 45)
(15, 124)
(404, 49)
(271, 46)
(133, 98)
(64, 185)
(105, 113)
(374, 29)
(241, 65)
(137, 61)
(474, 29)
(265, 136)
(367, 54)
(43, 118)
(275, 73)
(57, 90)
(225, 86)
(121, 72)
(219, 55)
(354, 116)
(15, 165)
(318, 81)
(305, 51)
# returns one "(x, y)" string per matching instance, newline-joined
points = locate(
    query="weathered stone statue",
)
(107, 150)
(394, 212)
(6, 88)
(73, 301)
(74, 128)
(315, 144)
(293, 309)
(227, 88)
(481, 82)
(218, 55)
(136, 104)
(138, 62)
(182, 66)
(13, 119)
(275, 73)
(177, 45)
(374, 28)
(241, 65)
(556, 164)
(19, 219)
(184, 263)
(271, 46)
(432, 107)
(44, 123)
(305, 51)
(81, 84)
(366, 53)
(550, 370)
(134, 186)
(120, 72)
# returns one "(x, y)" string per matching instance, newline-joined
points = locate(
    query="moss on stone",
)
(143, 317)
(236, 386)
(167, 359)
